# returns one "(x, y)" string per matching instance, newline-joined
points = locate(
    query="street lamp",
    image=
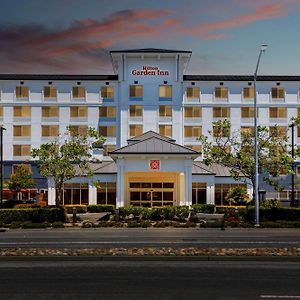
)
(294, 202)
(1, 163)
(262, 50)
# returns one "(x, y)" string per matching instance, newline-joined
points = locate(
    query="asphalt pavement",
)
(150, 237)
(74, 280)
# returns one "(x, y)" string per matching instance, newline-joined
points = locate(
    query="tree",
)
(20, 179)
(237, 195)
(67, 156)
(236, 151)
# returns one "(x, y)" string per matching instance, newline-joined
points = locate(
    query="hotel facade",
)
(151, 114)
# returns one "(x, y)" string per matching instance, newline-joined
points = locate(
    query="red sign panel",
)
(154, 164)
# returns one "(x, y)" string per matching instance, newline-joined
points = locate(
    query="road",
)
(153, 237)
(44, 280)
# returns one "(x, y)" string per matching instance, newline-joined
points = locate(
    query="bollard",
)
(74, 211)
(117, 213)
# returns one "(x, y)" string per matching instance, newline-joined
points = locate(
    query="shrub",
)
(280, 224)
(275, 214)
(26, 205)
(30, 225)
(110, 224)
(203, 208)
(133, 224)
(80, 209)
(58, 225)
(15, 225)
(35, 215)
(100, 208)
(162, 224)
(270, 203)
(232, 211)
(87, 224)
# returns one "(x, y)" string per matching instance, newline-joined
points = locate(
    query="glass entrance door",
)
(149, 194)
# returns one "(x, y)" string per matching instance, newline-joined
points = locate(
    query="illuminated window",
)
(165, 111)
(165, 130)
(22, 92)
(192, 131)
(50, 112)
(277, 112)
(107, 131)
(221, 132)
(221, 112)
(247, 112)
(107, 92)
(135, 130)
(221, 93)
(278, 131)
(50, 130)
(78, 112)
(107, 112)
(21, 150)
(22, 111)
(50, 92)
(165, 91)
(192, 112)
(248, 92)
(277, 93)
(136, 91)
(23, 130)
(78, 92)
(78, 130)
(192, 93)
(135, 110)
(247, 130)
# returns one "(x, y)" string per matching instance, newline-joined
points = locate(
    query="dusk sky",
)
(75, 36)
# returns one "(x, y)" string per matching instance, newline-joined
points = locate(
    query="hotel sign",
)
(154, 164)
(150, 71)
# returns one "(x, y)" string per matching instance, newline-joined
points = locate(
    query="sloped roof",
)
(155, 145)
(149, 134)
(57, 77)
(240, 78)
(150, 50)
(214, 169)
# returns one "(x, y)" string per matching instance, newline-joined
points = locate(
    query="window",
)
(136, 91)
(22, 92)
(21, 150)
(135, 130)
(192, 112)
(78, 112)
(165, 91)
(221, 191)
(247, 112)
(50, 92)
(107, 92)
(165, 111)
(165, 130)
(50, 112)
(247, 130)
(192, 93)
(135, 110)
(192, 131)
(106, 193)
(75, 193)
(50, 130)
(248, 92)
(221, 93)
(278, 131)
(107, 131)
(78, 130)
(277, 93)
(221, 132)
(197, 148)
(108, 148)
(22, 111)
(78, 92)
(198, 193)
(107, 112)
(221, 112)
(23, 130)
(277, 112)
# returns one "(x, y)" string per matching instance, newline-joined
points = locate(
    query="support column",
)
(210, 194)
(188, 181)
(51, 191)
(120, 182)
(92, 192)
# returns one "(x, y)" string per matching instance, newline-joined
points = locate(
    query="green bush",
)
(15, 225)
(30, 225)
(228, 211)
(269, 203)
(87, 224)
(35, 215)
(203, 208)
(274, 214)
(58, 225)
(133, 224)
(100, 208)
(80, 209)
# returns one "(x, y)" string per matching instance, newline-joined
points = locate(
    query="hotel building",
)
(151, 114)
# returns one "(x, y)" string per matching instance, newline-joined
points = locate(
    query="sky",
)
(75, 36)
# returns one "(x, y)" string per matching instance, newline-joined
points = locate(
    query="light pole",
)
(294, 203)
(262, 50)
(1, 163)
